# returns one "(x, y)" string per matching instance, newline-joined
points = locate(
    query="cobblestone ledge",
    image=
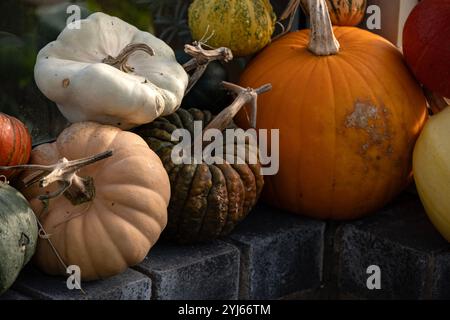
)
(413, 258)
(276, 255)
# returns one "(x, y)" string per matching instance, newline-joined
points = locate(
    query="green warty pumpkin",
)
(18, 234)
(208, 200)
(244, 26)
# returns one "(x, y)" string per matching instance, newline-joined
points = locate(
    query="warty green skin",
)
(244, 26)
(207, 201)
(18, 234)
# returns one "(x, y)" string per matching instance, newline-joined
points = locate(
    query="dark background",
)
(28, 25)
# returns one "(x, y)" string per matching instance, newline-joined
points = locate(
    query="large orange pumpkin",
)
(348, 117)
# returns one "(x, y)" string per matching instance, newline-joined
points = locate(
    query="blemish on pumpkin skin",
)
(361, 115)
(375, 122)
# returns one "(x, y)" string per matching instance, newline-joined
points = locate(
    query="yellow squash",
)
(431, 164)
(244, 26)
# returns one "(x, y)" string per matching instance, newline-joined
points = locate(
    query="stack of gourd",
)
(101, 196)
(102, 213)
(348, 109)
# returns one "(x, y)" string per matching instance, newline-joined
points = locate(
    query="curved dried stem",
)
(121, 61)
(289, 12)
(201, 58)
(244, 96)
(77, 189)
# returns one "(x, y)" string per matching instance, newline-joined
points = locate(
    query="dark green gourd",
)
(208, 200)
(18, 234)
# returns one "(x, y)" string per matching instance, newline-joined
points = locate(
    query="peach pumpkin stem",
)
(201, 58)
(322, 41)
(76, 189)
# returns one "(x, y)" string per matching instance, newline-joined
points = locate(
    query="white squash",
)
(110, 72)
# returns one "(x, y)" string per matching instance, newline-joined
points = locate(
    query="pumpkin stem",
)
(201, 58)
(244, 96)
(436, 102)
(75, 188)
(322, 41)
(120, 62)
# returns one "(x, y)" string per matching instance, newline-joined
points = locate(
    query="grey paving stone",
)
(275, 255)
(197, 272)
(309, 294)
(441, 277)
(403, 270)
(130, 285)
(281, 253)
(401, 241)
(13, 295)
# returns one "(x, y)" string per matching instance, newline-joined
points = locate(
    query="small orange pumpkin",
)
(349, 113)
(15, 143)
